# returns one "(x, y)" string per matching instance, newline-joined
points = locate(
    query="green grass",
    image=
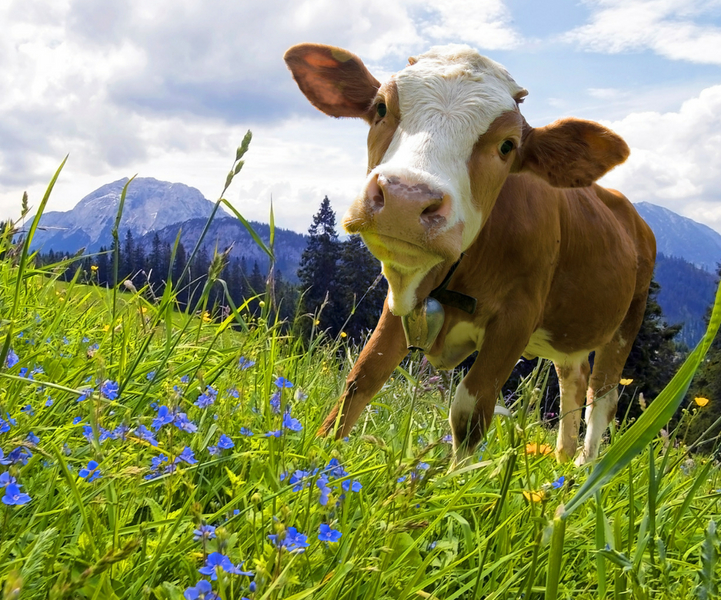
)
(411, 529)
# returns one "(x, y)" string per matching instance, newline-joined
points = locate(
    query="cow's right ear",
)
(334, 80)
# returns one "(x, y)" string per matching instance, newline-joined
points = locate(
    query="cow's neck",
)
(425, 322)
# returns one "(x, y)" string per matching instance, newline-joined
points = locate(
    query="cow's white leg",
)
(607, 368)
(600, 409)
(462, 409)
(573, 382)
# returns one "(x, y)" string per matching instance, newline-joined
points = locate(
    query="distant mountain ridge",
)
(226, 231)
(682, 237)
(150, 204)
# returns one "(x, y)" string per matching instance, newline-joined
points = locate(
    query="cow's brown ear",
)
(334, 80)
(570, 152)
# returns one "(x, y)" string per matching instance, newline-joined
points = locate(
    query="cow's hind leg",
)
(573, 383)
(608, 364)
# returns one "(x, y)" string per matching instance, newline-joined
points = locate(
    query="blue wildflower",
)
(299, 480)
(143, 433)
(202, 591)
(334, 469)
(49, 401)
(185, 379)
(204, 532)
(18, 455)
(4, 426)
(12, 359)
(207, 398)
(187, 456)
(275, 402)
(28, 410)
(6, 479)
(282, 382)
(182, 422)
(291, 423)
(213, 450)
(91, 472)
(245, 363)
(294, 541)
(84, 394)
(164, 417)
(327, 534)
(558, 484)
(215, 560)
(150, 376)
(25, 372)
(109, 389)
(277, 433)
(322, 484)
(245, 431)
(120, 432)
(234, 393)
(349, 484)
(225, 443)
(14, 497)
(32, 438)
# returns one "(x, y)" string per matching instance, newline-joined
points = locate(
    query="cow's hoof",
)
(581, 460)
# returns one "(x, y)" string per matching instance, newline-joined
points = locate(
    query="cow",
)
(493, 237)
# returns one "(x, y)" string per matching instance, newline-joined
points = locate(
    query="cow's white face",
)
(444, 135)
(417, 209)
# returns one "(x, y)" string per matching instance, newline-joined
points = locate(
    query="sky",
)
(168, 88)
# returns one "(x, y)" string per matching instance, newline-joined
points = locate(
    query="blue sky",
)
(167, 89)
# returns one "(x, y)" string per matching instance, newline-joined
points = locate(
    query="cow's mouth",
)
(400, 253)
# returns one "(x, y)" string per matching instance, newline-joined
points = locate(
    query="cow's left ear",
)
(334, 80)
(570, 153)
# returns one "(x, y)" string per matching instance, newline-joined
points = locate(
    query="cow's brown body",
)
(557, 271)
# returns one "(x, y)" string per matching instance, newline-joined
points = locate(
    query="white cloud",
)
(675, 29)
(168, 88)
(675, 158)
(485, 24)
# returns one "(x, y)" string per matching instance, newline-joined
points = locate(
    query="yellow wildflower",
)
(206, 317)
(533, 496)
(538, 449)
(316, 322)
(343, 334)
(93, 268)
(626, 381)
(701, 401)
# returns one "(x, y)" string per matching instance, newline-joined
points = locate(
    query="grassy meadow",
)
(147, 452)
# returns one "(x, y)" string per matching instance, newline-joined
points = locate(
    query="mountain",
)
(149, 205)
(682, 237)
(685, 295)
(288, 245)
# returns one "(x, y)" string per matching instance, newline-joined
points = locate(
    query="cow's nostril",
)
(432, 208)
(375, 194)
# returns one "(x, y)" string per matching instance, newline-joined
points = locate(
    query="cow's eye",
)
(506, 147)
(382, 110)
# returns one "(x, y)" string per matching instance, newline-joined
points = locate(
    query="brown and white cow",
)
(559, 266)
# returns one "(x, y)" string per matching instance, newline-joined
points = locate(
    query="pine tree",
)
(103, 266)
(127, 268)
(318, 268)
(358, 270)
(653, 359)
(707, 384)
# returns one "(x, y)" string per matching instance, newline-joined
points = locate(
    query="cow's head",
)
(445, 132)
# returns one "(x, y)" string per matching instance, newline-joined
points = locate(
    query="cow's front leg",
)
(473, 404)
(378, 359)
